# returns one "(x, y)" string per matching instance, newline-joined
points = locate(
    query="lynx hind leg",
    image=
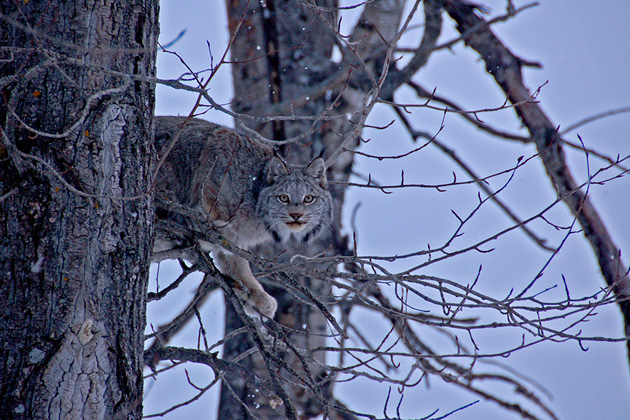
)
(257, 301)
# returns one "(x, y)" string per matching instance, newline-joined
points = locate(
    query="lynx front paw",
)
(259, 302)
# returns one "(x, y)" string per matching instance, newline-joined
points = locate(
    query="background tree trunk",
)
(276, 62)
(74, 242)
(282, 65)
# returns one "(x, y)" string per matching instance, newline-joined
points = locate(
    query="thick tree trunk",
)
(75, 216)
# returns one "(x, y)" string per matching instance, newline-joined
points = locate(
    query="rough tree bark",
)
(75, 216)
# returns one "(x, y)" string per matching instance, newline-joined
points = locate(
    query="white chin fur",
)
(295, 227)
(288, 231)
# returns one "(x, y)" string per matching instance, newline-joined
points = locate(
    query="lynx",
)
(248, 193)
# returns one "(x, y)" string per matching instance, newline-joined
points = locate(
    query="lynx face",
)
(295, 203)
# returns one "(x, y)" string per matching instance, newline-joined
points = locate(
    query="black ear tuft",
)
(275, 169)
(317, 169)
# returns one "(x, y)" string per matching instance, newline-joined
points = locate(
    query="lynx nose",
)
(296, 215)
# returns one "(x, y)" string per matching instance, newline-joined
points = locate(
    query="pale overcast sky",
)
(584, 47)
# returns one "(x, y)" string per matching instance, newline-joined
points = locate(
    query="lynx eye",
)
(283, 198)
(308, 199)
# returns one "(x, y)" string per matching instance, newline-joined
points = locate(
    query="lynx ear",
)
(276, 169)
(317, 169)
